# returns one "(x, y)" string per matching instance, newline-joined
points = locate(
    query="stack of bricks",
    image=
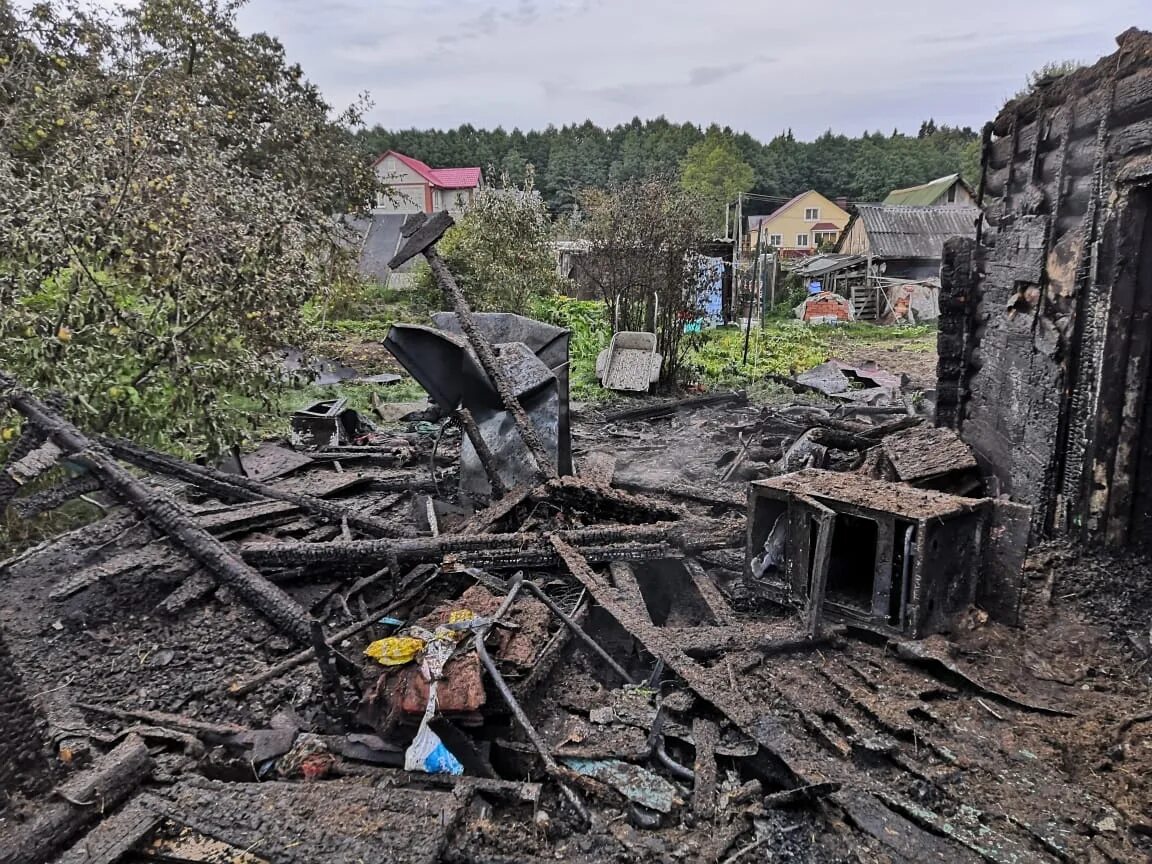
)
(23, 763)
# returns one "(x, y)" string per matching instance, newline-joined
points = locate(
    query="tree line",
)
(570, 158)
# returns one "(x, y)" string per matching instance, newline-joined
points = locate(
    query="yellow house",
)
(801, 226)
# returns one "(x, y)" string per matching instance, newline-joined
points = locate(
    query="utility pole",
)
(736, 255)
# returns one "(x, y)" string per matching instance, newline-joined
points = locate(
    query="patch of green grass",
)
(861, 331)
(716, 357)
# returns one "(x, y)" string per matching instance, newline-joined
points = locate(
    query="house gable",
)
(951, 189)
(417, 188)
(801, 224)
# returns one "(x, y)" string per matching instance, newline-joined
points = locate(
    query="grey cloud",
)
(528, 63)
(702, 76)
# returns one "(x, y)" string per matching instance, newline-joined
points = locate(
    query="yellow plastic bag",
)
(395, 650)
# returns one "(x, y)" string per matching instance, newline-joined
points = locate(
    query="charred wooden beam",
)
(623, 506)
(31, 506)
(31, 438)
(243, 688)
(78, 803)
(159, 509)
(720, 496)
(686, 535)
(234, 487)
(706, 735)
(898, 425)
(839, 440)
(484, 521)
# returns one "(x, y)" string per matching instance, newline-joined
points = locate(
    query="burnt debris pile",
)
(694, 629)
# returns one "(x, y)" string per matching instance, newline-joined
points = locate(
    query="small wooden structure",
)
(890, 557)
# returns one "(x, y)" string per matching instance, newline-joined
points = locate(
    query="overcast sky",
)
(759, 66)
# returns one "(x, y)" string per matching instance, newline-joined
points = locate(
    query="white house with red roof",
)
(417, 188)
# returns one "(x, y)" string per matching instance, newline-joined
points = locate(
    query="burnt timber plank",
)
(807, 765)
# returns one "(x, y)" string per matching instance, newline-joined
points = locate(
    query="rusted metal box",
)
(896, 559)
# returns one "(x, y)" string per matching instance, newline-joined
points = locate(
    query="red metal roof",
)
(825, 226)
(457, 178)
(442, 178)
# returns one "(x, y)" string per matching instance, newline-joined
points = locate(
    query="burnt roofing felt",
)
(914, 232)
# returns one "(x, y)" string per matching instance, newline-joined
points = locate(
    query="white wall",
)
(451, 200)
(407, 188)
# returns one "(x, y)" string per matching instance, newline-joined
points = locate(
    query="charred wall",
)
(1045, 334)
(23, 766)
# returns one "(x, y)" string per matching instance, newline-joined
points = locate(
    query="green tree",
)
(643, 240)
(970, 163)
(513, 166)
(499, 251)
(168, 189)
(579, 156)
(715, 173)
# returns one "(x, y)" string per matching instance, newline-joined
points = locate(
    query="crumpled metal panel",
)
(547, 341)
(633, 782)
(537, 365)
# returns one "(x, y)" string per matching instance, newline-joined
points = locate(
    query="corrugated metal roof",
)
(924, 194)
(828, 262)
(914, 232)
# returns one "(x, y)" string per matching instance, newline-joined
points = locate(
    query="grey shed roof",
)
(377, 238)
(828, 262)
(896, 231)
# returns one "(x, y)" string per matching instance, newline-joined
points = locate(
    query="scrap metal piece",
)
(547, 341)
(633, 782)
(422, 234)
(533, 356)
(483, 452)
(328, 423)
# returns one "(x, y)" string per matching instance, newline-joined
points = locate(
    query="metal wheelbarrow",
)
(630, 362)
